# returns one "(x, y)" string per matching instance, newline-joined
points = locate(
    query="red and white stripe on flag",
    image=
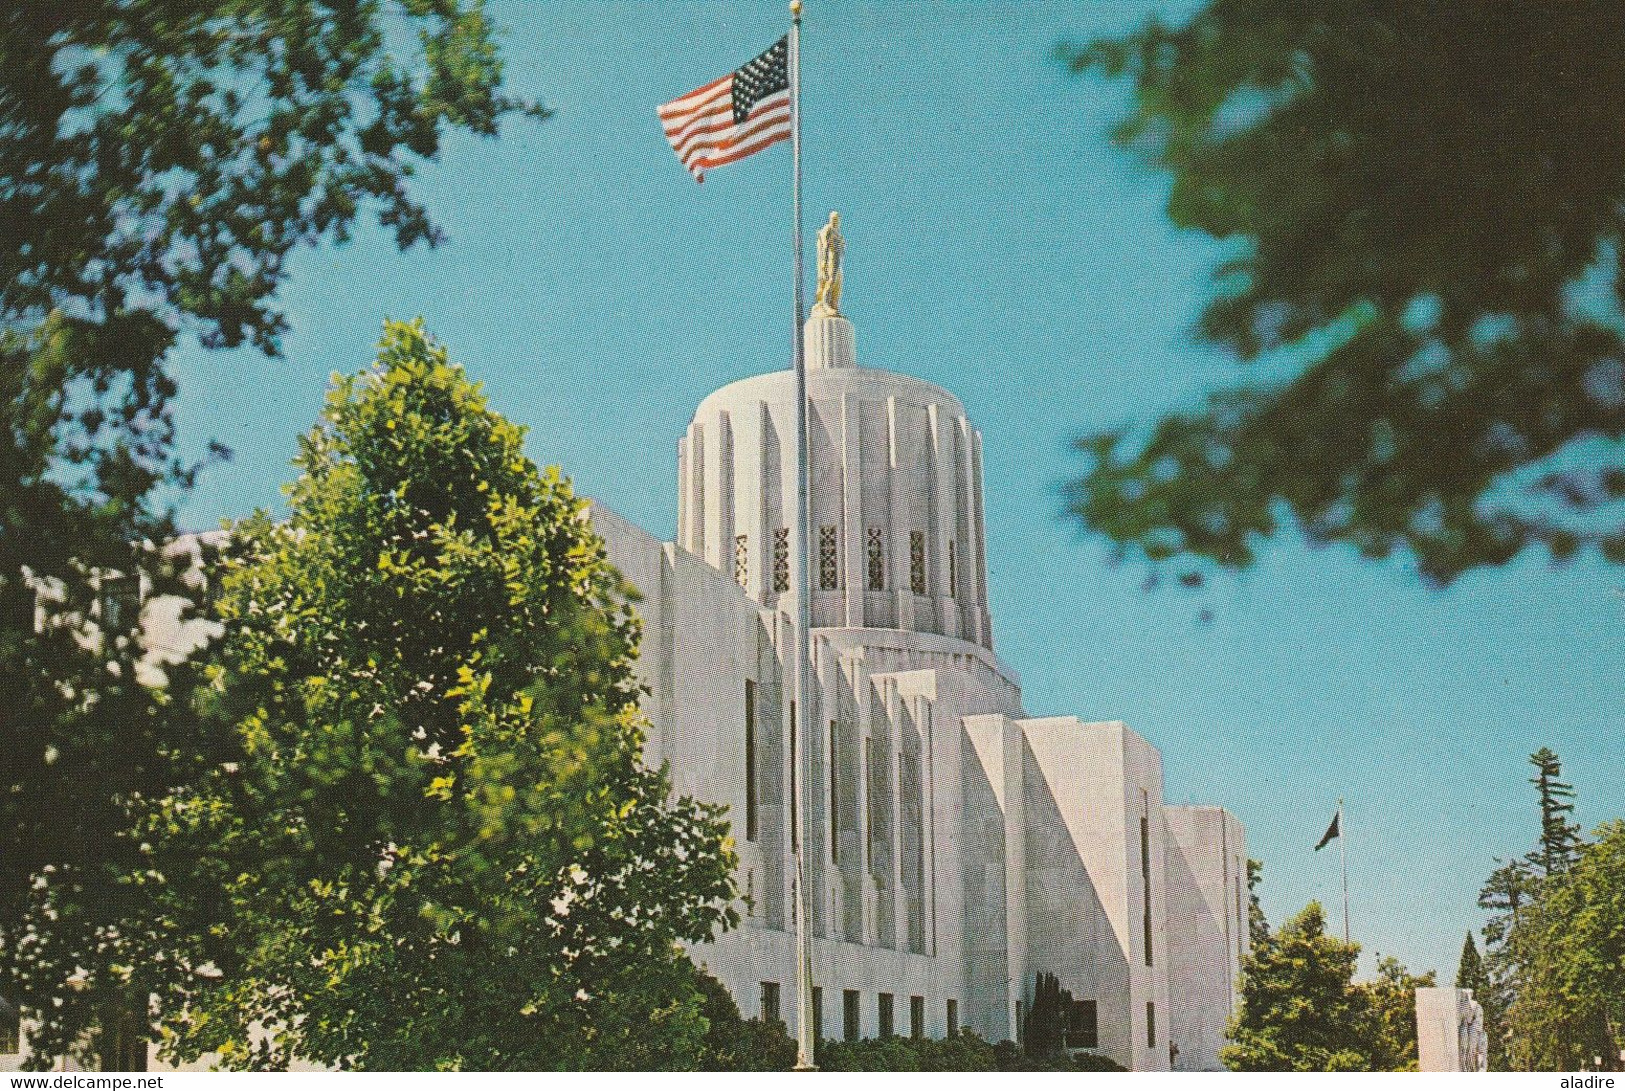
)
(702, 129)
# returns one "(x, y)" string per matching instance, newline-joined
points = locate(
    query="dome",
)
(896, 492)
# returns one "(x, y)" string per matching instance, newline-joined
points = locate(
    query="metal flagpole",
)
(1343, 848)
(803, 651)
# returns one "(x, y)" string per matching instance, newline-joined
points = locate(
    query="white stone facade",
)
(955, 847)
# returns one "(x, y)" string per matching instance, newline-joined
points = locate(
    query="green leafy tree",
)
(1588, 938)
(1393, 1006)
(1559, 837)
(1300, 1010)
(435, 845)
(736, 1044)
(1421, 215)
(161, 163)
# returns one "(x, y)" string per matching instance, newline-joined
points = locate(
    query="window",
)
(953, 1018)
(781, 560)
(876, 543)
(818, 1014)
(121, 1047)
(828, 571)
(1150, 1023)
(770, 1001)
(742, 560)
(834, 796)
(953, 569)
(916, 1017)
(1021, 1025)
(1145, 871)
(883, 1009)
(750, 759)
(916, 561)
(850, 1018)
(1083, 1025)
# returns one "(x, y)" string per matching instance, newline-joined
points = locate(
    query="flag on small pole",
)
(734, 116)
(1335, 830)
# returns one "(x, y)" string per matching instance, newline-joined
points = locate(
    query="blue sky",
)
(998, 246)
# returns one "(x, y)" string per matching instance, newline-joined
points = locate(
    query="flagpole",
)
(1343, 848)
(803, 650)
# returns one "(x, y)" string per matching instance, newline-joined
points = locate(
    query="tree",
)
(1559, 838)
(1300, 1011)
(736, 1044)
(1258, 925)
(161, 162)
(1588, 910)
(1045, 1031)
(1421, 212)
(1392, 998)
(435, 845)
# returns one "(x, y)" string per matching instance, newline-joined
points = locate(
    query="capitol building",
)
(955, 846)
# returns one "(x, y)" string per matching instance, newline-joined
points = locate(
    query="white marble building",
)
(955, 846)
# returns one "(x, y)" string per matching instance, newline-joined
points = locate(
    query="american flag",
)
(732, 117)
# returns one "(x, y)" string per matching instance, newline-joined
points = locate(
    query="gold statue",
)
(830, 249)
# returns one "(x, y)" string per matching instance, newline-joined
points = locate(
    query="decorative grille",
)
(781, 560)
(742, 559)
(877, 560)
(828, 572)
(916, 561)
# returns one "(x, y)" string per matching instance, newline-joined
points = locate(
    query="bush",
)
(965, 1052)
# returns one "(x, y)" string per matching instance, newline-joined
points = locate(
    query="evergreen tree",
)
(1559, 837)
(435, 845)
(1044, 1033)
(1300, 1010)
(1472, 972)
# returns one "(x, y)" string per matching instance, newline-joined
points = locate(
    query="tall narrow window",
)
(1145, 871)
(121, 603)
(953, 1018)
(851, 1017)
(834, 797)
(770, 1001)
(750, 759)
(1150, 1023)
(829, 572)
(817, 1014)
(742, 560)
(876, 543)
(916, 1017)
(916, 561)
(887, 1027)
(953, 569)
(781, 560)
(875, 761)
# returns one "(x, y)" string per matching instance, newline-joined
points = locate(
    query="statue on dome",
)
(831, 247)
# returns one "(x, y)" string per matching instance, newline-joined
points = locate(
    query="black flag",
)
(1331, 831)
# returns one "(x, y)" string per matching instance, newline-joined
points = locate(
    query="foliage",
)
(965, 1052)
(1559, 837)
(161, 162)
(735, 1044)
(435, 846)
(1588, 936)
(1548, 947)
(1045, 1032)
(1300, 1010)
(1421, 212)
(1258, 925)
(1393, 1006)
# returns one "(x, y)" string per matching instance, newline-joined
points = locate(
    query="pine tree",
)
(1258, 925)
(1559, 838)
(1473, 973)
